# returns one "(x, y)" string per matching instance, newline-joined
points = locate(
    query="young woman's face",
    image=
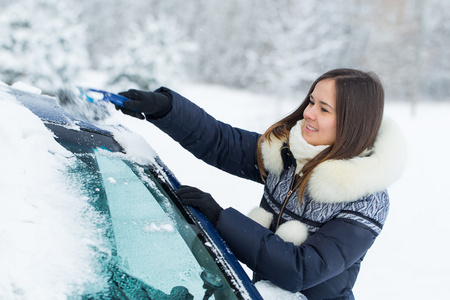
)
(319, 127)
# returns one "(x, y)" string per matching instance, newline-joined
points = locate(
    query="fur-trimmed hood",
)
(335, 181)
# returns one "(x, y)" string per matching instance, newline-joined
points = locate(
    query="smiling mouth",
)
(310, 128)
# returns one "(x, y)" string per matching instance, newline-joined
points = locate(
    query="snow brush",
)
(89, 104)
(99, 96)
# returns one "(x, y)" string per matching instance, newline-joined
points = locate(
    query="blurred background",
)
(271, 47)
(261, 56)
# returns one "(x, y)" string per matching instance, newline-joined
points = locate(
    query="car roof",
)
(48, 110)
(63, 124)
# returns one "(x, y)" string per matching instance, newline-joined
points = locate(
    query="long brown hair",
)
(359, 111)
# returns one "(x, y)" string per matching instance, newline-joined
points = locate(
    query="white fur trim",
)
(293, 231)
(302, 151)
(347, 180)
(271, 155)
(261, 216)
(336, 181)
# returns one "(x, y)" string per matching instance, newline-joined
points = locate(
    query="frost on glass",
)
(148, 249)
(148, 245)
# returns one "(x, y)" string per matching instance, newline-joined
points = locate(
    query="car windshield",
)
(155, 252)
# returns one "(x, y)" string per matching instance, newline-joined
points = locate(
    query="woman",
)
(325, 168)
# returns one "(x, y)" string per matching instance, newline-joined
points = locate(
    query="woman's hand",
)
(142, 103)
(202, 201)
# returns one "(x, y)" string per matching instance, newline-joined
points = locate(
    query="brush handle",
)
(106, 96)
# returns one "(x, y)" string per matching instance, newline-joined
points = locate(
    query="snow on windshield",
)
(46, 241)
(136, 148)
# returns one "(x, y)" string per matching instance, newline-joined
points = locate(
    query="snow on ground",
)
(410, 258)
(408, 261)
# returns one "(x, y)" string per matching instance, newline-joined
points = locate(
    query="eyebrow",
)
(322, 102)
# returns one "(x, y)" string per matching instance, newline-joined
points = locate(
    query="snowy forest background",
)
(272, 47)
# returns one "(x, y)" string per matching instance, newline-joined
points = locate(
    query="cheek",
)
(330, 127)
(332, 130)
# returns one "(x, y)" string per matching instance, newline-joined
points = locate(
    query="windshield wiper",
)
(211, 282)
(125, 286)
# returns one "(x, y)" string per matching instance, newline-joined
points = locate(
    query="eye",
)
(311, 100)
(324, 109)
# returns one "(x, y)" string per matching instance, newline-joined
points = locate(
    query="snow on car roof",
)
(48, 110)
(42, 235)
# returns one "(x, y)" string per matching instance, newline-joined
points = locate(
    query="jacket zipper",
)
(285, 201)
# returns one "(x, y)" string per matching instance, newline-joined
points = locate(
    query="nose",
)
(309, 113)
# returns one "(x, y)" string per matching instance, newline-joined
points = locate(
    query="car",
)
(156, 247)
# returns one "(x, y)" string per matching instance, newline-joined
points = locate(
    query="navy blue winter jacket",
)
(340, 216)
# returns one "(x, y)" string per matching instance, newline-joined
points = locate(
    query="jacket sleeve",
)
(230, 149)
(336, 246)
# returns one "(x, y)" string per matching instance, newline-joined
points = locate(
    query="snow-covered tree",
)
(435, 50)
(136, 43)
(41, 43)
(269, 46)
(151, 53)
(406, 43)
(276, 47)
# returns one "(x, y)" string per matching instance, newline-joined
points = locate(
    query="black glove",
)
(152, 104)
(203, 201)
